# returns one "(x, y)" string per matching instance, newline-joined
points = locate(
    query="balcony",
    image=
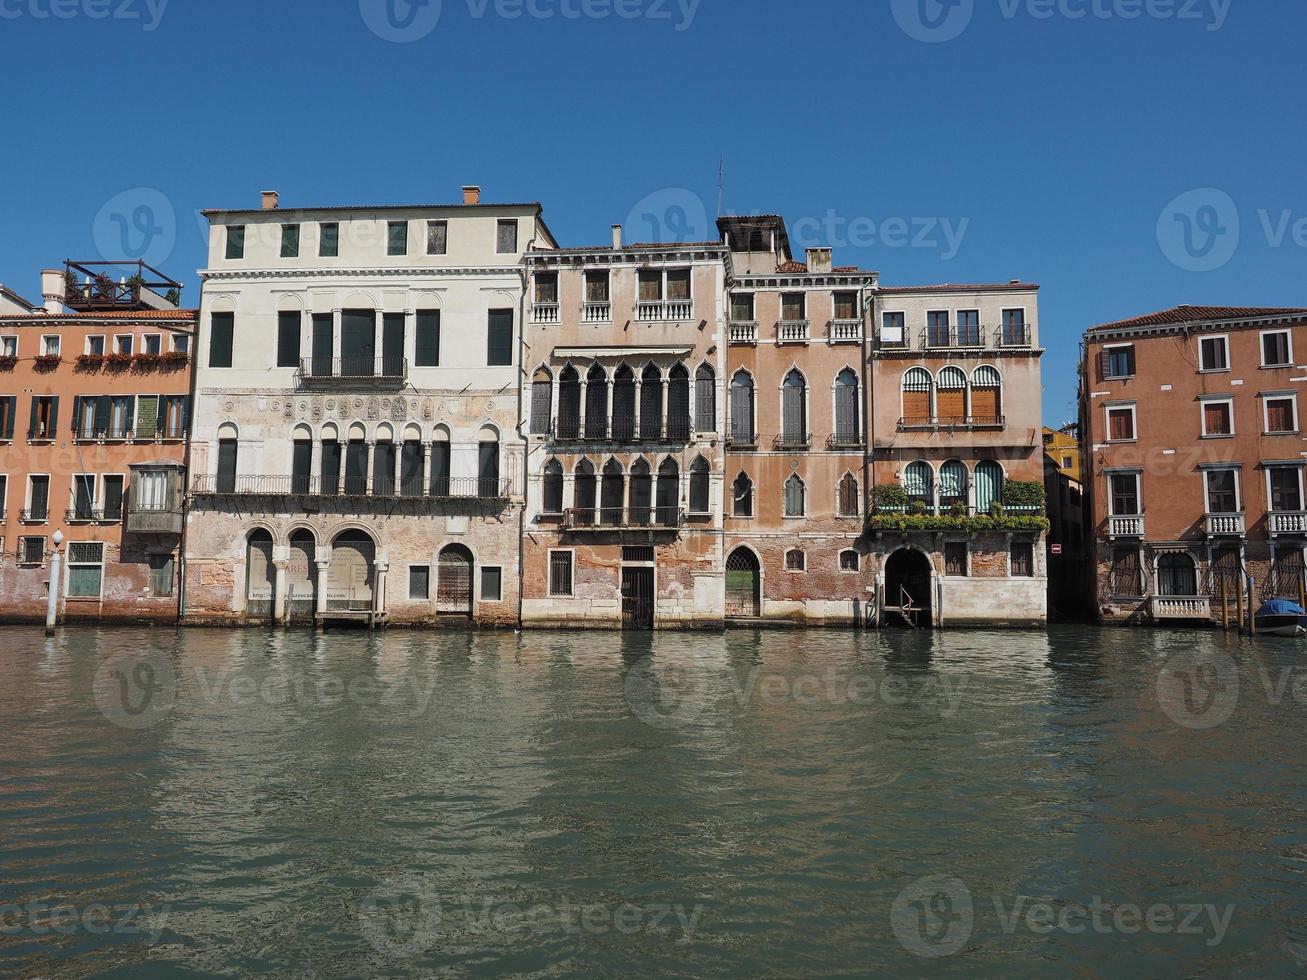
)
(600, 519)
(845, 441)
(844, 332)
(1224, 525)
(34, 515)
(1180, 607)
(119, 434)
(1288, 522)
(792, 331)
(953, 338)
(154, 522)
(90, 515)
(1014, 335)
(349, 488)
(671, 311)
(1125, 526)
(329, 372)
(623, 431)
(544, 313)
(931, 422)
(741, 440)
(793, 442)
(744, 332)
(597, 312)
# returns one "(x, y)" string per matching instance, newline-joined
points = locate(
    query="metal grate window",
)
(638, 554)
(1023, 559)
(955, 558)
(85, 569)
(560, 573)
(31, 551)
(796, 561)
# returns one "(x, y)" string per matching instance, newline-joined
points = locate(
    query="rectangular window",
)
(150, 491)
(955, 558)
(236, 242)
(8, 409)
(383, 470)
(290, 241)
(1014, 328)
(560, 573)
(176, 413)
(849, 561)
(437, 237)
(1281, 415)
(288, 340)
(113, 497)
(742, 307)
(793, 306)
(796, 561)
(95, 346)
(1118, 363)
(678, 284)
(45, 418)
(1222, 492)
(419, 583)
(122, 344)
(596, 287)
(330, 468)
(1277, 350)
(153, 344)
(121, 416)
(227, 453)
(31, 551)
(894, 329)
(85, 568)
(221, 328)
(506, 239)
(8, 346)
(397, 238)
(83, 496)
(1121, 424)
(1218, 419)
(161, 575)
(499, 346)
(937, 328)
(492, 584)
(969, 328)
(546, 287)
(1023, 559)
(1214, 354)
(50, 345)
(651, 286)
(1125, 494)
(846, 306)
(329, 239)
(1286, 489)
(181, 343)
(427, 346)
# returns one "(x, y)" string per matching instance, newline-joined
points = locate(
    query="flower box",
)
(47, 362)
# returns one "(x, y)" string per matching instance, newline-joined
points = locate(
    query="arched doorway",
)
(260, 575)
(908, 585)
(352, 572)
(454, 581)
(302, 577)
(743, 585)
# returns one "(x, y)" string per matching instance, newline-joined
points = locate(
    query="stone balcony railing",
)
(668, 311)
(544, 313)
(744, 331)
(793, 331)
(624, 518)
(1181, 607)
(1125, 526)
(844, 332)
(1288, 522)
(356, 488)
(1224, 525)
(597, 312)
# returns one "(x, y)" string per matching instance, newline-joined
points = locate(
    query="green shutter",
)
(288, 340)
(103, 405)
(222, 326)
(147, 416)
(427, 353)
(54, 417)
(77, 413)
(31, 425)
(499, 352)
(9, 416)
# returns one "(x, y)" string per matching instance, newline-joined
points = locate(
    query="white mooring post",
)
(52, 604)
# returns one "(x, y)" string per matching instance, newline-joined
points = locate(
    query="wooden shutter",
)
(499, 350)
(440, 469)
(1122, 425)
(11, 409)
(1216, 420)
(392, 344)
(984, 403)
(221, 329)
(36, 412)
(1104, 358)
(288, 340)
(916, 405)
(147, 416)
(951, 403)
(383, 469)
(427, 351)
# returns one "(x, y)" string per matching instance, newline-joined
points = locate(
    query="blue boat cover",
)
(1281, 607)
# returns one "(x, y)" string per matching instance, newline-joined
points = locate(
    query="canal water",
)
(1073, 803)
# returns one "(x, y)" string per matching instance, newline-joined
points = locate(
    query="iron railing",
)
(792, 440)
(622, 429)
(448, 488)
(377, 370)
(953, 422)
(624, 518)
(34, 515)
(844, 440)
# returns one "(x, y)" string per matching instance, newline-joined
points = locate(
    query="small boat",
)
(1282, 617)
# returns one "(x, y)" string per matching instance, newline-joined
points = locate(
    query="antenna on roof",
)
(721, 185)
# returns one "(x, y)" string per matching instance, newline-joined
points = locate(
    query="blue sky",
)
(1049, 140)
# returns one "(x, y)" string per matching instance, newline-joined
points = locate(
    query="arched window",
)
(542, 402)
(987, 395)
(259, 573)
(699, 486)
(651, 404)
(488, 485)
(1177, 576)
(794, 410)
(678, 404)
(918, 481)
(705, 399)
(669, 494)
(742, 431)
(596, 404)
(989, 486)
(584, 493)
(624, 404)
(953, 484)
(848, 496)
(794, 494)
(848, 431)
(553, 488)
(917, 387)
(641, 493)
(301, 462)
(742, 494)
(951, 398)
(227, 443)
(383, 465)
(411, 463)
(611, 493)
(569, 404)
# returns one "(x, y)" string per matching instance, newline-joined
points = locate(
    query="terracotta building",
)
(94, 413)
(958, 522)
(624, 351)
(1195, 459)
(796, 431)
(356, 452)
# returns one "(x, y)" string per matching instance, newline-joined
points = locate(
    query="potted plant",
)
(90, 362)
(7, 362)
(174, 358)
(145, 362)
(117, 361)
(47, 362)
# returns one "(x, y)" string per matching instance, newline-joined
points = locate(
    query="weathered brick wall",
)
(125, 591)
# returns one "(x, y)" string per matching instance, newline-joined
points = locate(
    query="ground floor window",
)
(419, 582)
(1127, 576)
(1023, 559)
(849, 561)
(161, 575)
(31, 551)
(560, 573)
(85, 569)
(796, 561)
(492, 584)
(955, 558)
(1177, 576)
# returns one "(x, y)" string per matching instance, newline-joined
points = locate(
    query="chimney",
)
(271, 199)
(617, 237)
(819, 260)
(53, 287)
(471, 194)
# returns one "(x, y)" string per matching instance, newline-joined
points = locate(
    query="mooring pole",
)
(1225, 604)
(1252, 615)
(52, 602)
